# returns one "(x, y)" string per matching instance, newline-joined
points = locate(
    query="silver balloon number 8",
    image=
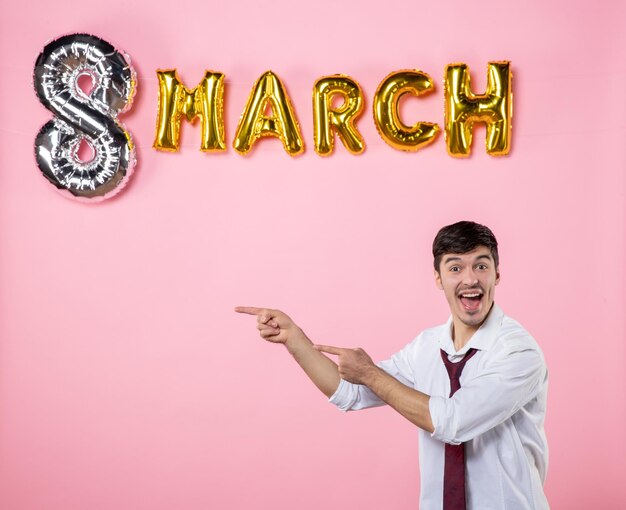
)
(85, 117)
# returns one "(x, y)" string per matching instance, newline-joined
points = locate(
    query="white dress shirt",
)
(498, 412)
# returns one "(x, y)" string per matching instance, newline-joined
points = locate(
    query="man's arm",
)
(275, 326)
(507, 383)
(355, 366)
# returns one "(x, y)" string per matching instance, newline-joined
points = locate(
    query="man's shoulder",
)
(423, 347)
(434, 331)
(515, 337)
(432, 335)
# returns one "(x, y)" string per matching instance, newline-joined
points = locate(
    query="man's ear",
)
(438, 280)
(497, 276)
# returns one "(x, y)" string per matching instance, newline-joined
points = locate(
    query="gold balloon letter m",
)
(206, 101)
(463, 109)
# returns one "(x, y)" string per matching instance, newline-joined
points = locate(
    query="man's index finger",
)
(329, 349)
(250, 310)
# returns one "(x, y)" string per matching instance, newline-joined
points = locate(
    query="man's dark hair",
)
(463, 237)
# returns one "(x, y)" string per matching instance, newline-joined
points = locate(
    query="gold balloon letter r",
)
(341, 118)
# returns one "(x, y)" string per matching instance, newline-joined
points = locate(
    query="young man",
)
(475, 386)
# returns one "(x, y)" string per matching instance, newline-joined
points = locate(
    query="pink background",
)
(126, 380)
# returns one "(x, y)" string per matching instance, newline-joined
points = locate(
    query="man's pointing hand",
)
(355, 365)
(273, 325)
(276, 326)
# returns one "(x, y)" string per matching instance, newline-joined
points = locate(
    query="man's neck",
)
(462, 333)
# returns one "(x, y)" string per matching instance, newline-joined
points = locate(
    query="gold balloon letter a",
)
(463, 108)
(387, 118)
(268, 91)
(206, 101)
(341, 118)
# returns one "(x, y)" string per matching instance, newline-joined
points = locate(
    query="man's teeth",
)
(476, 294)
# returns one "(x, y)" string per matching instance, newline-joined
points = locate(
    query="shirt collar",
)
(482, 340)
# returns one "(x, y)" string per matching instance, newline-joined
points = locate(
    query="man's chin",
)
(473, 318)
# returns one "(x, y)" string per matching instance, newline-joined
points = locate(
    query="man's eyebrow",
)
(456, 259)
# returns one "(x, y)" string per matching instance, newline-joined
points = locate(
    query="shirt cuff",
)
(345, 396)
(443, 420)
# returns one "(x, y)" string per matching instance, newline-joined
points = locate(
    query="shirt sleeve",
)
(353, 397)
(490, 398)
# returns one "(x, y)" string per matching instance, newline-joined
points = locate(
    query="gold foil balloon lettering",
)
(269, 112)
(387, 118)
(205, 101)
(463, 109)
(341, 119)
(268, 93)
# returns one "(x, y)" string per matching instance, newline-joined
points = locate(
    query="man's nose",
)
(469, 277)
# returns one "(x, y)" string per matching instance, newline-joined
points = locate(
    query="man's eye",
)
(482, 266)
(455, 269)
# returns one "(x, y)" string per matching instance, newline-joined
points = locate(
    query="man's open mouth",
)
(470, 299)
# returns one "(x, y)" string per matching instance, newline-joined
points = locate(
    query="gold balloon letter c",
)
(386, 116)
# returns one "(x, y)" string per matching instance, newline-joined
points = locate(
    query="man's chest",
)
(430, 374)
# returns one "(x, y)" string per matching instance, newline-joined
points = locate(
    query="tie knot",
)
(454, 369)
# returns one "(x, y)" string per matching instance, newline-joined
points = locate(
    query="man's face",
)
(468, 280)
